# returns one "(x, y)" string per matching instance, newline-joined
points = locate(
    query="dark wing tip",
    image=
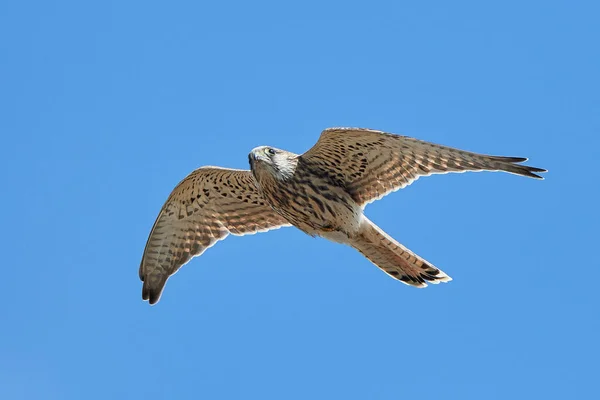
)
(512, 165)
(529, 171)
(145, 293)
(511, 159)
(154, 297)
(152, 292)
(534, 169)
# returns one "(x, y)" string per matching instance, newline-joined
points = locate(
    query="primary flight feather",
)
(322, 192)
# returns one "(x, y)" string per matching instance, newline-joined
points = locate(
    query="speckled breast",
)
(313, 205)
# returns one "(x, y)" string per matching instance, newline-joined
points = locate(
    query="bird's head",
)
(280, 164)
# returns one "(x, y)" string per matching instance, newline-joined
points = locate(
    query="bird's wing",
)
(205, 207)
(370, 164)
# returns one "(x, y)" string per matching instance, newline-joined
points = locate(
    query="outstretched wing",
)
(370, 164)
(209, 204)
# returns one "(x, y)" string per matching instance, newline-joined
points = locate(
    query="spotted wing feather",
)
(370, 164)
(204, 208)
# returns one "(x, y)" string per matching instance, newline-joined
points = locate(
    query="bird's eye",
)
(270, 151)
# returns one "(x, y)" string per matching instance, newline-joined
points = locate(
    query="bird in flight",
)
(322, 192)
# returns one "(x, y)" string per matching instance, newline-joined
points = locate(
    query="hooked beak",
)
(256, 156)
(252, 159)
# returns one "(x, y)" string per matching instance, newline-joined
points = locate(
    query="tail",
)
(393, 258)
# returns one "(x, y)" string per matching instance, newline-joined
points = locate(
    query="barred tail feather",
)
(394, 259)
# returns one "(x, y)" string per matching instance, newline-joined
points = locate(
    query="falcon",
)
(322, 192)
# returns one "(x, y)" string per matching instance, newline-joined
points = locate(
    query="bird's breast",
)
(313, 205)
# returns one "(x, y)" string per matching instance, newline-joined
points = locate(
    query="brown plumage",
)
(322, 192)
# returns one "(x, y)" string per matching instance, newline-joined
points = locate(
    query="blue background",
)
(107, 105)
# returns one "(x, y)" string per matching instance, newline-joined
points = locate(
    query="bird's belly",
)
(320, 209)
(336, 236)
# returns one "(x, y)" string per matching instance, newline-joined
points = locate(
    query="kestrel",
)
(322, 192)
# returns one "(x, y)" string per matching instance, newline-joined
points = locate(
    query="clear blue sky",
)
(107, 105)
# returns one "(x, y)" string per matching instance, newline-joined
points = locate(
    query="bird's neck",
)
(286, 171)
